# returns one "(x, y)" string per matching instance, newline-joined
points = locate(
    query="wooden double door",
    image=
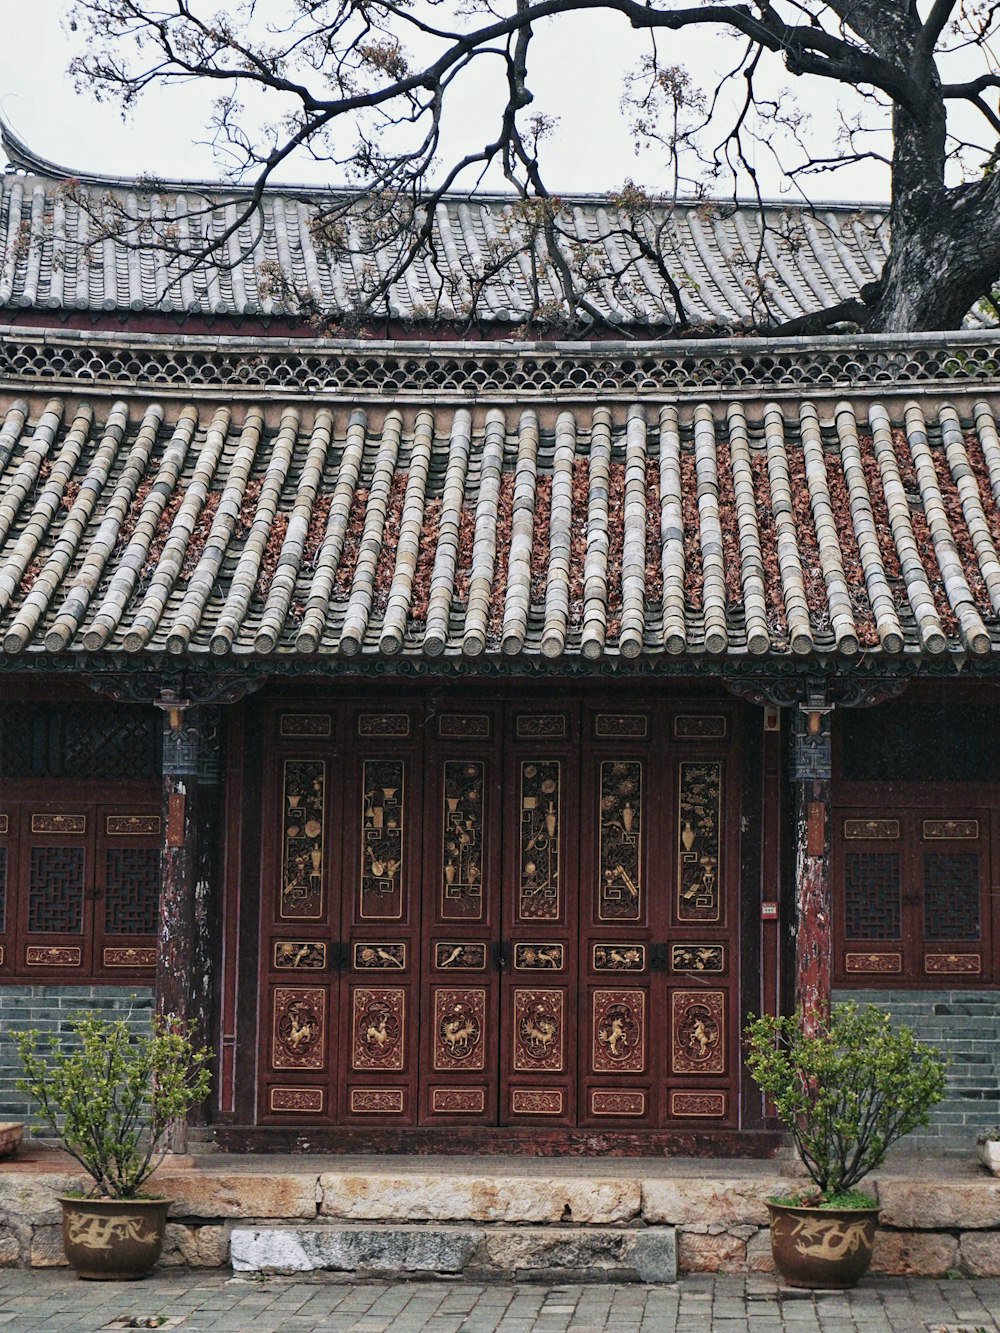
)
(500, 915)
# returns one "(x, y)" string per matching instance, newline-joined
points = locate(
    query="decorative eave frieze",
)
(300, 370)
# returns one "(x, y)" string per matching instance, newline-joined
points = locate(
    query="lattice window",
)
(872, 895)
(55, 891)
(951, 895)
(132, 890)
(86, 741)
(3, 889)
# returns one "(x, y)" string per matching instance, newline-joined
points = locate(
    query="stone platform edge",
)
(929, 1227)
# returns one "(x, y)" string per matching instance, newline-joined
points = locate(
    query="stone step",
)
(523, 1253)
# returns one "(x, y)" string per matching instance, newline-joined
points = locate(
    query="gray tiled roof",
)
(607, 526)
(54, 257)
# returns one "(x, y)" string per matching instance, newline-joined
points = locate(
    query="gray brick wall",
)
(48, 1008)
(965, 1026)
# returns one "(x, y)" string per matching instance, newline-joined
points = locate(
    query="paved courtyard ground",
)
(44, 1302)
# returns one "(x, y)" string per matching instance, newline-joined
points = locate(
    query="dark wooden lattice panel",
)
(94, 742)
(132, 890)
(3, 889)
(55, 890)
(872, 895)
(951, 895)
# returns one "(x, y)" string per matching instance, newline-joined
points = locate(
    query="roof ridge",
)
(23, 158)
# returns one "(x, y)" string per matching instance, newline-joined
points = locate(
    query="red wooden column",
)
(811, 774)
(189, 916)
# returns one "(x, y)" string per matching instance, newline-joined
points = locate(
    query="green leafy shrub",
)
(847, 1087)
(111, 1100)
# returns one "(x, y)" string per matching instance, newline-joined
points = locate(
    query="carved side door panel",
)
(538, 1083)
(460, 998)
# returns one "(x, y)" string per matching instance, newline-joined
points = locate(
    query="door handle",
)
(501, 955)
(658, 957)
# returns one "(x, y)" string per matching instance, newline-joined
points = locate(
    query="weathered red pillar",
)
(811, 774)
(189, 917)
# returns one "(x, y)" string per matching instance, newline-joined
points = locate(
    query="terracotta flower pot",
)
(822, 1247)
(113, 1239)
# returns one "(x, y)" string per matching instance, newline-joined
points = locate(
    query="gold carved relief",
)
(382, 840)
(120, 826)
(956, 829)
(37, 955)
(393, 726)
(58, 823)
(620, 891)
(299, 1028)
(698, 958)
(700, 727)
(698, 893)
(539, 957)
(873, 962)
(462, 872)
(129, 957)
(450, 956)
(606, 1102)
(871, 830)
(377, 1101)
(379, 1017)
(698, 1104)
(619, 1031)
(458, 1101)
(302, 855)
(299, 956)
(538, 898)
(698, 1026)
(535, 1101)
(306, 724)
(953, 963)
(538, 1029)
(297, 1101)
(619, 957)
(388, 957)
(459, 1024)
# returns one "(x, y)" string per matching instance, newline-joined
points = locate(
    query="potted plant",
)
(110, 1098)
(988, 1146)
(847, 1086)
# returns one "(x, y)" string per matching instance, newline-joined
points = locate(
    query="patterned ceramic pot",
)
(822, 1247)
(113, 1239)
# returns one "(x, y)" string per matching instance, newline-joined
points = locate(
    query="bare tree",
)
(366, 86)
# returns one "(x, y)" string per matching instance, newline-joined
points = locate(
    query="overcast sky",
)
(578, 79)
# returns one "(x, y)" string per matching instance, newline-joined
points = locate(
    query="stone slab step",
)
(583, 1254)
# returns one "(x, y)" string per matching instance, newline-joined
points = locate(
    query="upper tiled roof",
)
(619, 525)
(731, 265)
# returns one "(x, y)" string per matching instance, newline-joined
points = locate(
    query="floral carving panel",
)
(379, 1019)
(619, 1031)
(539, 1029)
(699, 842)
(298, 1038)
(302, 851)
(459, 1028)
(538, 898)
(698, 1025)
(620, 891)
(462, 871)
(381, 889)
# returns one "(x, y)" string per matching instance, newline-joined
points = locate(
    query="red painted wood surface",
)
(602, 993)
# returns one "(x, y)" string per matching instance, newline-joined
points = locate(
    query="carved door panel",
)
(538, 1083)
(701, 905)
(659, 885)
(86, 883)
(127, 889)
(460, 1003)
(300, 923)
(381, 914)
(912, 895)
(55, 891)
(624, 821)
(953, 916)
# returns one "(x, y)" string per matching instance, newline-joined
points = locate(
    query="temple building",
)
(469, 732)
